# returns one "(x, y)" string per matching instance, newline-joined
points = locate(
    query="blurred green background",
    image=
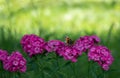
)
(55, 19)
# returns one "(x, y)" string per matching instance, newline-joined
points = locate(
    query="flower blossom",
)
(85, 42)
(3, 55)
(15, 63)
(32, 44)
(70, 53)
(101, 55)
(55, 45)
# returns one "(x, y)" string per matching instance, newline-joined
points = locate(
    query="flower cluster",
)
(70, 53)
(15, 62)
(85, 42)
(32, 44)
(59, 47)
(101, 55)
(55, 45)
(3, 55)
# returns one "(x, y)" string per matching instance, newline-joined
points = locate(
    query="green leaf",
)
(66, 64)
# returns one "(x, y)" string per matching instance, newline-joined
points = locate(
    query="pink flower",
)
(101, 55)
(55, 45)
(15, 62)
(3, 55)
(85, 42)
(69, 53)
(32, 44)
(105, 66)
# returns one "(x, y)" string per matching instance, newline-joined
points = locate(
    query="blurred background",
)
(56, 19)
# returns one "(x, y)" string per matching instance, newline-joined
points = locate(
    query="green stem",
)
(73, 68)
(19, 74)
(57, 67)
(88, 69)
(103, 74)
(57, 62)
(40, 67)
(14, 75)
(91, 70)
